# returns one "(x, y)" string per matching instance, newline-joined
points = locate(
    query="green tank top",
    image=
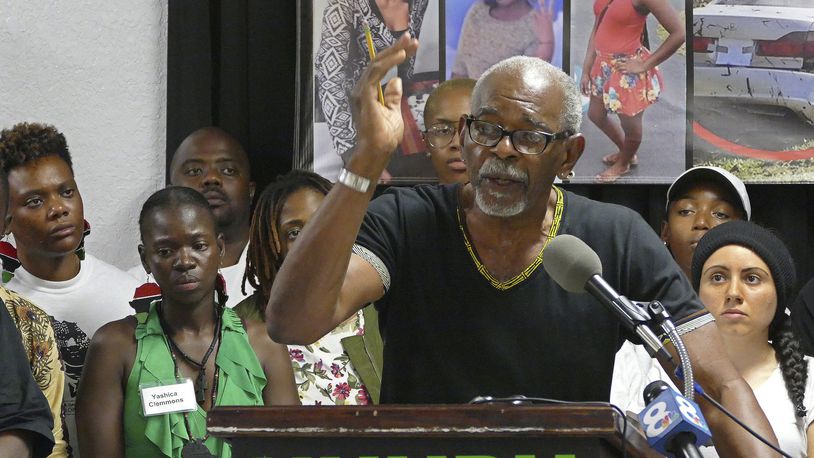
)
(241, 383)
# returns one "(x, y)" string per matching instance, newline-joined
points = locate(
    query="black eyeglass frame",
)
(549, 137)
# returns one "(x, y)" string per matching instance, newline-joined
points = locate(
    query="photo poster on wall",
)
(753, 86)
(640, 112)
(333, 42)
(741, 99)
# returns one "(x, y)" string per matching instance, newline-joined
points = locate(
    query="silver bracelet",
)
(354, 181)
(695, 323)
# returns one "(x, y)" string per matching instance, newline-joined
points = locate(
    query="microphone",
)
(672, 424)
(577, 269)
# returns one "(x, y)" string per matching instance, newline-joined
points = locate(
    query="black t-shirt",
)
(23, 407)
(450, 335)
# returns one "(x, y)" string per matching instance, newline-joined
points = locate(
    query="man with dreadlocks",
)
(344, 366)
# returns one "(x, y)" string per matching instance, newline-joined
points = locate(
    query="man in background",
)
(213, 162)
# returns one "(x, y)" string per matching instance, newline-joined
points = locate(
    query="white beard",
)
(482, 198)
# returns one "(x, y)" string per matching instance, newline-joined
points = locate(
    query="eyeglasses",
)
(524, 141)
(440, 135)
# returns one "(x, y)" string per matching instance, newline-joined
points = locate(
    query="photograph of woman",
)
(494, 30)
(621, 76)
(341, 54)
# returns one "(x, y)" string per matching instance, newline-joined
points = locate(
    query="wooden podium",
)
(486, 430)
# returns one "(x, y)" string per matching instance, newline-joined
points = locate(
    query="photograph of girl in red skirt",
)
(620, 76)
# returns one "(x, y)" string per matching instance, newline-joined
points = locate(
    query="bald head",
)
(214, 163)
(534, 73)
(439, 95)
(209, 137)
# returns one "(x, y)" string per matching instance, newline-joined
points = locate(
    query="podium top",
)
(423, 421)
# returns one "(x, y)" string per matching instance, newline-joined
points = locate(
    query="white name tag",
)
(162, 399)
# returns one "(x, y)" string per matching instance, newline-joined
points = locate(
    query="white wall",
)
(96, 69)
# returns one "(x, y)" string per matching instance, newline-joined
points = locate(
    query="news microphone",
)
(578, 269)
(672, 424)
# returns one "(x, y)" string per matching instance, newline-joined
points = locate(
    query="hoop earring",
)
(567, 177)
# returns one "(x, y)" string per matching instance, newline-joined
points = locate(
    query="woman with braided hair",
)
(344, 366)
(745, 277)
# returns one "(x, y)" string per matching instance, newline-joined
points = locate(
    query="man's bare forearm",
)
(718, 376)
(306, 299)
(731, 440)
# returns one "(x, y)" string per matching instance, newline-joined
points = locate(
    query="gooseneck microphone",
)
(578, 269)
(672, 424)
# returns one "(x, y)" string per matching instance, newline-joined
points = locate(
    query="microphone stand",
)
(661, 317)
(635, 317)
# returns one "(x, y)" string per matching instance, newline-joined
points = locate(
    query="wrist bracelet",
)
(354, 181)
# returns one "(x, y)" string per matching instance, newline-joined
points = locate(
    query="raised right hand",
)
(379, 128)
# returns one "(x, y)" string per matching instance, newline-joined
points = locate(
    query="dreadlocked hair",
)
(263, 257)
(793, 366)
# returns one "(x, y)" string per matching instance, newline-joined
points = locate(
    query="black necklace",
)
(195, 447)
(200, 385)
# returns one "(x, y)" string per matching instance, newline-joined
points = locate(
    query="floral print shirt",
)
(42, 352)
(323, 372)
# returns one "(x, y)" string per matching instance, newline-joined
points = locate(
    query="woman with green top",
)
(150, 378)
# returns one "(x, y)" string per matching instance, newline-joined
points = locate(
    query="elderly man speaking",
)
(455, 270)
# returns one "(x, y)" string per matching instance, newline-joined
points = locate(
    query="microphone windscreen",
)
(653, 390)
(571, 262)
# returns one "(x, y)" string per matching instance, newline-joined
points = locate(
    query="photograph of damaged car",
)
(753, 105)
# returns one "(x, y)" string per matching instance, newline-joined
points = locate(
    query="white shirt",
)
(634, 369)
(234, 277)
(98, 294)
(773, 398)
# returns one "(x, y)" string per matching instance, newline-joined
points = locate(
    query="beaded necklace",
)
(526, 273)
(195, 447)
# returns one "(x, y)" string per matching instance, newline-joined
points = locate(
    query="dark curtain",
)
(232, 63)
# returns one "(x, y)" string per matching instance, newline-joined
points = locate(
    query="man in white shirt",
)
(212, 162)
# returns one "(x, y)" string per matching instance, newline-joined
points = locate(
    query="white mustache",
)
(497, 168)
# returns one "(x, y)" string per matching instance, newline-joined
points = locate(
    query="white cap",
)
(716, 174)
